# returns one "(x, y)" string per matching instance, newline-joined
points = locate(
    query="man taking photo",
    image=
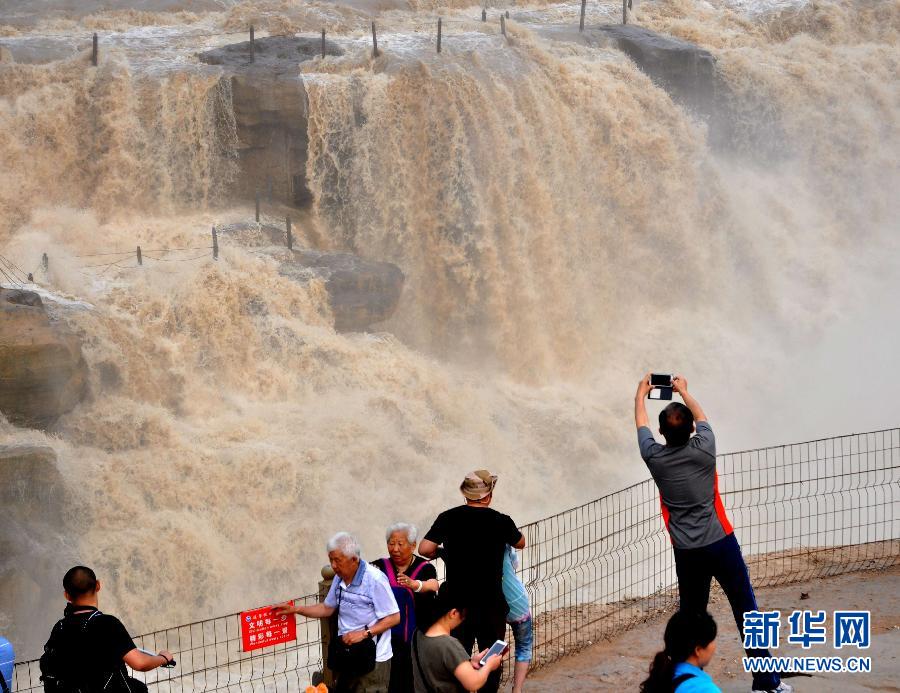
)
(703, 540)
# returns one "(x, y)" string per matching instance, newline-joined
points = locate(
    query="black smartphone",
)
(168, 665)
(661, 380)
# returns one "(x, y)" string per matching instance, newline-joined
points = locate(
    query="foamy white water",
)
(563, 225)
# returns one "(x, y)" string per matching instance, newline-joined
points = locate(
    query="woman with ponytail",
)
(690, 640)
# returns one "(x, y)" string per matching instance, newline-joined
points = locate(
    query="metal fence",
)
(801, 511)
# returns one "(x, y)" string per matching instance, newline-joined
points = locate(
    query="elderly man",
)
(475, 537)
(367, 610)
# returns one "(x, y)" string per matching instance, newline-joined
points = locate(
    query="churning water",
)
(563, 225)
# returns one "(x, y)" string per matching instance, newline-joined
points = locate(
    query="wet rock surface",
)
(683, 69)
(42, 372)
(361, 292)
(34, 501)
(270, 111)
(31, 488)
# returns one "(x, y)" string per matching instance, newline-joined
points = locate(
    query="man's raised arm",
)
(640, 408)
(679, 384)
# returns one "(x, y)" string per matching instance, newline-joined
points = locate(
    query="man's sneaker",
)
(782, 688)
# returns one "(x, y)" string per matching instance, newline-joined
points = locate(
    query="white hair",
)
(410, 530)
(344, 542)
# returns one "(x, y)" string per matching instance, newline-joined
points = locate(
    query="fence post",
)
(94, 54)
(257, 205)
(483, 15)
(507, 14)
(624, 11)
(45, 262)
(140, 259)
(252, 46)
(503, 25)
(583, 7)
(439, 36)
(374, 42)
(290, 236)
(323, 42)
(215, 244)
(326, 624)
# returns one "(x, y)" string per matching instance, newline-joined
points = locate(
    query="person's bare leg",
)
(520, 671)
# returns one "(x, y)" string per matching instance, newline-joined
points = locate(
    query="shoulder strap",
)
(389, 571)
(680, 679)
(415, 649)
(417, 569)
(89, 619)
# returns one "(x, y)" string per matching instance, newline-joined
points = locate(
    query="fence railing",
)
(801, 511)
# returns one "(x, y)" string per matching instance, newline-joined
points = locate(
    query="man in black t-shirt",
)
(474, 539)
(87, 649)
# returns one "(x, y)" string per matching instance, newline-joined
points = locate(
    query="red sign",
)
(261, 628)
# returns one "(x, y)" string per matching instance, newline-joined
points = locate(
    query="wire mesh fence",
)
(802, 511)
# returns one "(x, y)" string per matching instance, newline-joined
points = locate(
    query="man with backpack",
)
(88, 650)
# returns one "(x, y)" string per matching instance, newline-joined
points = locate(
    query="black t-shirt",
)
(96, 643)
(474, 541)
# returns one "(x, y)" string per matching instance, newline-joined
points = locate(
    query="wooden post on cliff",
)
(483, 15)
(503, 25)
(215, 244)
(290, 236)
(624, 11)
(139, 258)
(252, 46)
(45, 262)
(374, 42)
(323, 42)
(583, 8)
(326, 624)
(439, 36)
(94, 54)
(257, 206)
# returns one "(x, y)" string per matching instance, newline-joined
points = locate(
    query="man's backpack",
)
(66, 662)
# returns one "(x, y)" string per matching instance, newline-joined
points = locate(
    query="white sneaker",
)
(782, 688)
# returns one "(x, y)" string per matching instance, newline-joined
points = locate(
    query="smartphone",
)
(498, 648)
(661, 380)
(156, 654)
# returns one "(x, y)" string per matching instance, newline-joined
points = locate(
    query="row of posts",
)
(45, 261)
(626, 5)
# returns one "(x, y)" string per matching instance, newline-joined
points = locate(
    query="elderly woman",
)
(414, 583)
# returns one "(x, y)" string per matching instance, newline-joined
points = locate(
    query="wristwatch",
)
(369, 633)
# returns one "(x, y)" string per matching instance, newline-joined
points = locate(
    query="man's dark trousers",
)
(485, 623)
(723, 561)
